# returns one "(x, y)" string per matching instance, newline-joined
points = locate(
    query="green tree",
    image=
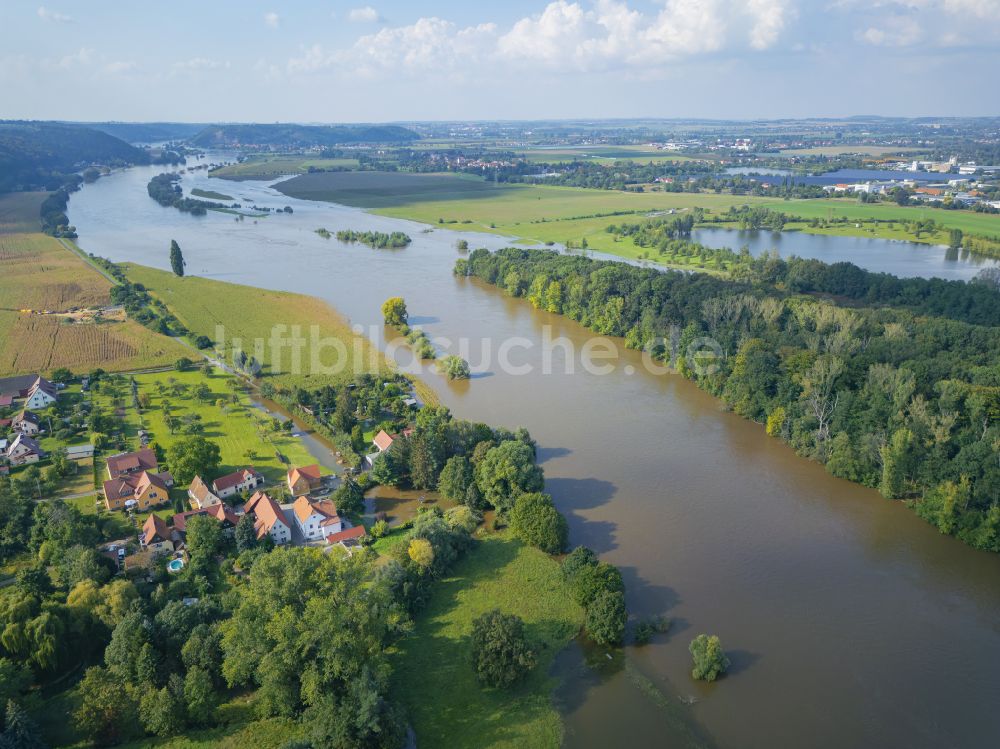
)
(15, 678)
(710, 662)
(606, 618)
(535, 520)
(580, 558)
(245, 534)
(455, 367)
(163, 711)
(193, 456)
(394, 312)
(107, 712)
(500, 652)
(507, 471)
(20, 731)
(200, 696)
(421, 552)
(592, 580)
(349, 497)
(457, 482)
(203, 538)
(176, 258)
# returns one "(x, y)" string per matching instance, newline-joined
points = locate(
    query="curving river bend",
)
(850, 622)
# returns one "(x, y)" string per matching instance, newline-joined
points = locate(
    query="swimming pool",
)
(175, 565)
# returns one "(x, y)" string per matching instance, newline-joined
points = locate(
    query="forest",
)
(903, 397)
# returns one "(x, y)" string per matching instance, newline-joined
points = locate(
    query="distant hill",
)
(148, 132)
(215, 136)
(41, 155)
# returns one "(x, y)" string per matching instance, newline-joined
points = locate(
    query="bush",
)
(710, 662)
(500, 652)
(535, 520)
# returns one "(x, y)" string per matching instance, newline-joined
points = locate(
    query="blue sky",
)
(313, 61)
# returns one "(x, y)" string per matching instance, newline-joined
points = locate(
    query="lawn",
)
(433, 675)
(268, 167)
(243, 433)
(252, 314)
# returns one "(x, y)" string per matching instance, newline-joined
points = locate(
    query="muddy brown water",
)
(850, 622)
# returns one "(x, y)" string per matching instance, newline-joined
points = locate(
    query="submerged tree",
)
(710, 662)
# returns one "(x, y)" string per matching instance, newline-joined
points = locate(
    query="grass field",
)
(38, 273)
(242, 432)
(839, 150)
(251, 314)
(434, 677)
(268, 167)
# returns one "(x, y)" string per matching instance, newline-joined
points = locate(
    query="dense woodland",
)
(378, 240)
(165, 189)
(900, 398)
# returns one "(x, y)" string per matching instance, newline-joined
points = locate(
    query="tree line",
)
(897, 396)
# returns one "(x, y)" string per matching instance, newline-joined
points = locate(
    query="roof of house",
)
(128, 462)
(304, 509)
(220, 512)
(382, 440)
(130, 484)
(351, 534)
(27, 415)
(24, 441)
(232, 479)
(155, 528)
(5, 422)
(199, 489)
(266, 513)
(17, 386)
(87, 449)
(45, 386)
(309, 473)
(6, 400)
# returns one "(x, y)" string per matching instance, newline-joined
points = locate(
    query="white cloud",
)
(272, 19)
(83, 57)
(198, 64)
(119, 67)
(894, 31)
(366, 14)
(52, 15)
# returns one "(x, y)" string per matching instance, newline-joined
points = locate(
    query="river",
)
(850, 622)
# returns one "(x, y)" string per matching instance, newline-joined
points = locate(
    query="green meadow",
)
(433, 674)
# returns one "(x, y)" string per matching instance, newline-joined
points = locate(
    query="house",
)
(129, 463)
(347, 538)
(316, 520)
(219, 511)
(156, 536)
(137, 490)
(23, 450)
(236, 483)
(41, 395)
(200, 495)
(269, 518)
(6, 401)
(383, 441)
(27, 423)
(80, 452)
(304, 480)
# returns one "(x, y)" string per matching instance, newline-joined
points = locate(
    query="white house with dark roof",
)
(23, 450)
(41, 395)
(27, 423)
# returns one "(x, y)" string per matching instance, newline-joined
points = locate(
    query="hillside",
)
(148, 132)
(300, 136)
(41, 155)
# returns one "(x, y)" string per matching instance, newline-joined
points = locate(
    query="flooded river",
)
(850, 622)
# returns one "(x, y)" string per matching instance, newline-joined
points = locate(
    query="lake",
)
(850, 622)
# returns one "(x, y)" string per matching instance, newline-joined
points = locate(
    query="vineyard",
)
(41, 343)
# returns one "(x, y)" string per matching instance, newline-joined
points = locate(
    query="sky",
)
(313, 61)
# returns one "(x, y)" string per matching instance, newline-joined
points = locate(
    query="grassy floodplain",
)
(210, 194)
(434, 677)
(543, 213)
(269, 167)
(37, 274)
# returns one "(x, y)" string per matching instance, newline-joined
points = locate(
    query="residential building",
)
(138, 491)
(41, 395)
(156, 536)
(130, 463)
(219, 511)
(304, 480)
(241, 481)
(382, 442)
(19, 387)
(23, 450)
(27, 423)
(347, 538)
(201, 495)
(316, 520)
(269, 518)
(80, 452)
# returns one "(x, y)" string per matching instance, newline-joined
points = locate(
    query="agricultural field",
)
(269, 167)
(841, 150)
(433, 675)
(251, 314)
(19, 212)
(386, 189)
(607, 154)
(38, 273)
